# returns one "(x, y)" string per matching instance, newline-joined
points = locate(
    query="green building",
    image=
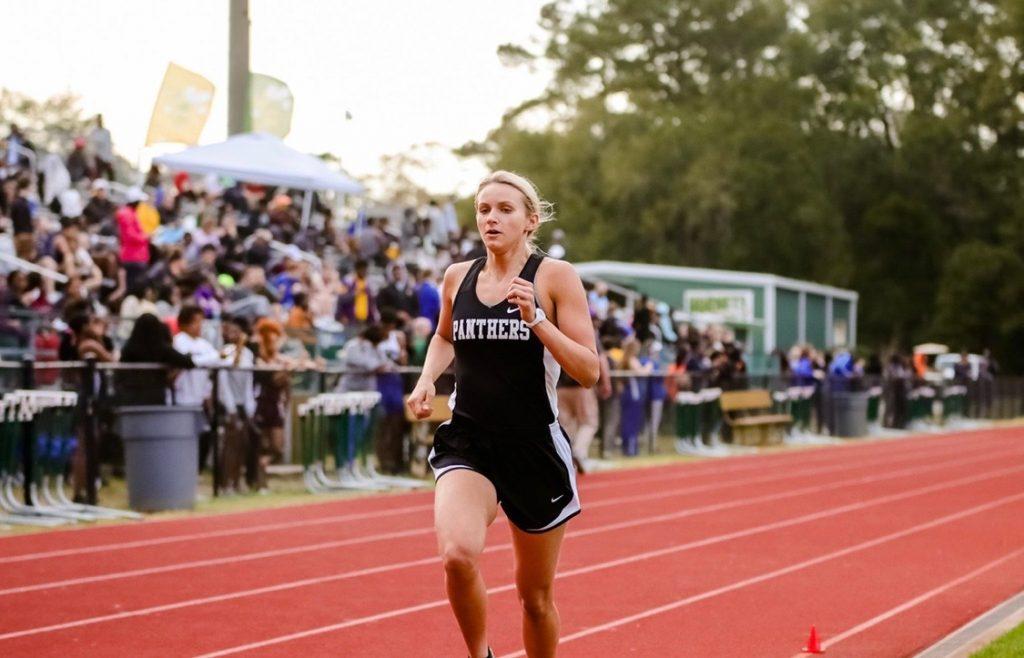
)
(764, 311)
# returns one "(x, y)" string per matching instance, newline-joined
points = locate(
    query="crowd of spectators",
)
(179, 251)
(190, 271)
(149, 272)
(648, 356)
(94, 245)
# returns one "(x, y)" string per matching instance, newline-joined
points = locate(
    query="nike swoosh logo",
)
(556, 498)
(512, 310)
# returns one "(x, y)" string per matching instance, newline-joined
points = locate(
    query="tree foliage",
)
(981, 301)
(853, 142)
(395, 181)
(51, 124)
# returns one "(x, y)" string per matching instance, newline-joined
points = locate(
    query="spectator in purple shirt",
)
(429, 297)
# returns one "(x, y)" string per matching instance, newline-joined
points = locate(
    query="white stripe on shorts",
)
(562, 448)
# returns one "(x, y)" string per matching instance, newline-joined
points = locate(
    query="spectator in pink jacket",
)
(134, 242)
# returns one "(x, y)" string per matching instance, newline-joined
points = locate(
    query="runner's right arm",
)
(441, 351)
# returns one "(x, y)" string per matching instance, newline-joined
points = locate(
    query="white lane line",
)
(320, 546)
(661, 552)
(212, 534)
(491, 549)
(842, 466)
(197, 564)
(777, 572)
(214, 599)
(825, 452)
(917, 600)
(679, 474)
(682, 471)
(765, 460)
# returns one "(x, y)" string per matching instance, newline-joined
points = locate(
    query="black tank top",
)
(504, 376)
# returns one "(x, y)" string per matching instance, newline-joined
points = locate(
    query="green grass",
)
(1010, 645)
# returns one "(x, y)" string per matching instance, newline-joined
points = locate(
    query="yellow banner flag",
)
(271, 103)
(182, 107)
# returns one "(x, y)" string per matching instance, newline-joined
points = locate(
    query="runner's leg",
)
(536, 559)
(465, 503)
(589, 422)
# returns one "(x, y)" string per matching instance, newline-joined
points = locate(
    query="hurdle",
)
(45, 419)
(874, 409)
(954, 402)
(56, 444)
(324, 427)
(359, 431)
(12, 512)
(688, 424)
(698, 419)
(341, 424)
(922, 409)
(801, 401)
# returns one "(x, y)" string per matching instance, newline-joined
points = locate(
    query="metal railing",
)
(99, 391)
(97, 386)
(19, 328)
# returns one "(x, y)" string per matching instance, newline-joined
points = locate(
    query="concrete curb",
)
(979, 632)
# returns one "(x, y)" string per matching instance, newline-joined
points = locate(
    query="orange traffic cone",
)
(813, 643)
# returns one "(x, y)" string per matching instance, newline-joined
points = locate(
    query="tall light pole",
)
(238, 67)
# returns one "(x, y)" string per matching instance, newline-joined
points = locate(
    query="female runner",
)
(511, 320)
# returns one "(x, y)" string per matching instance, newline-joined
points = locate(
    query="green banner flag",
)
(271, 105)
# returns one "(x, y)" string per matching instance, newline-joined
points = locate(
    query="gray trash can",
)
(161, 451)
(850, 413)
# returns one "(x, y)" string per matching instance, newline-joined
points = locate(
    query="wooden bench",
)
(749, 418)
(422, 438)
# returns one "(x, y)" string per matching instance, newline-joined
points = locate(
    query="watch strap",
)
(539, 317)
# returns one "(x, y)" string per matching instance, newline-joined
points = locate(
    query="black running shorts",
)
(531, 470)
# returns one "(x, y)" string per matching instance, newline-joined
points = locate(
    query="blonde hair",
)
(535, 205)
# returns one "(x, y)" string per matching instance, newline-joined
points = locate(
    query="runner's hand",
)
(421, 399)
(520, 293)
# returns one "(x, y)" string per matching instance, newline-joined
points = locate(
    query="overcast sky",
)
(409, 72)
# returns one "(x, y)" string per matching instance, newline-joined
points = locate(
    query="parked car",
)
(944, 363)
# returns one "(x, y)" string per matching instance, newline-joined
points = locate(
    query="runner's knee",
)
(537, 602)
(459, 559)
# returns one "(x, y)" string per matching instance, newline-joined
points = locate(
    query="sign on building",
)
(728, 305)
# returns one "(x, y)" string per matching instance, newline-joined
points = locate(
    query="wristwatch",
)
(538, 317)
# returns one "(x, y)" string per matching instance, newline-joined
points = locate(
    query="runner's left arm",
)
(571, 341)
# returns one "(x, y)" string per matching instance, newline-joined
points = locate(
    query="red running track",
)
(884, 546)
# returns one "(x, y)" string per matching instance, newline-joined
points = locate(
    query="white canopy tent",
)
(265, 160)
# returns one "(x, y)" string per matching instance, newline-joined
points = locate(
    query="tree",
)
(853, 142)
(50, 124)
(395, 182)
(981, 302)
